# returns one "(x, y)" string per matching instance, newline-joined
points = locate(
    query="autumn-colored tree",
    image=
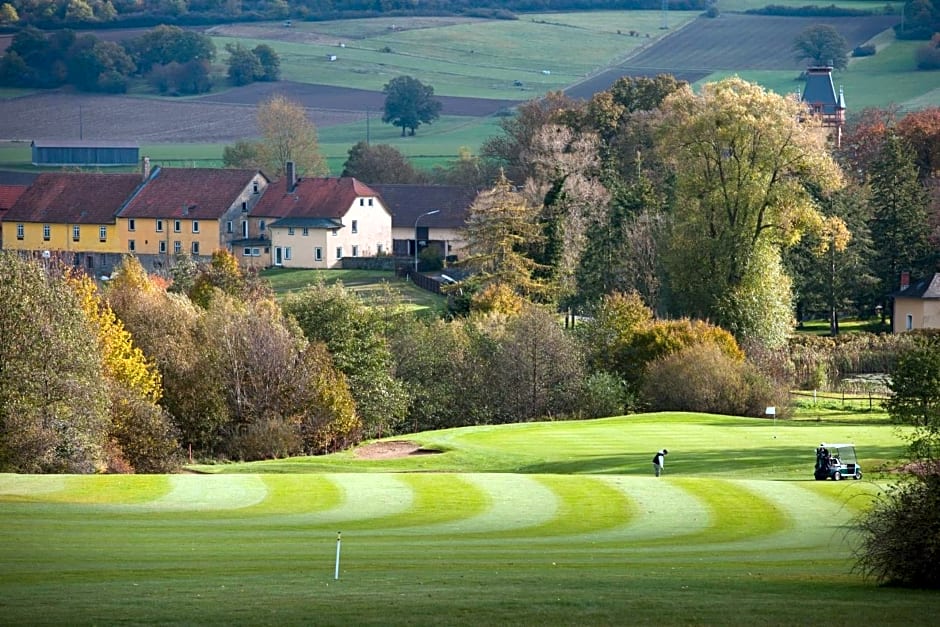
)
(53, 396)
(380, 163)
(743, 163)
(287, 134)
(508, 149)
(862, 139)
(501, 226)
(921, 129)
(356, 338)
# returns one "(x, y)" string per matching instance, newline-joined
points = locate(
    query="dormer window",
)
(254, 188)
(244, 207)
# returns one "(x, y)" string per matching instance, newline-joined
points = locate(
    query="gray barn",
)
(85, 153)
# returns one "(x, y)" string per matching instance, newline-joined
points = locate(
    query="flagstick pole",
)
(338, 542)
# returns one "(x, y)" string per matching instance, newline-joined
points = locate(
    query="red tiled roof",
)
(9, 194)
(311, 198)
(73, 198)
(192, 193)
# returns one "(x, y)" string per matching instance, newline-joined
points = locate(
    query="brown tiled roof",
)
(9, 194)
(73, 198)
(407, 202)
(192, 193)
(311, 198)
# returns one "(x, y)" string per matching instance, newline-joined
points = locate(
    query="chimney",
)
(146, 168)
(905, 280)
(291, 175)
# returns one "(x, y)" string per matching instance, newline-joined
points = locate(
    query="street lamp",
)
(426, 213)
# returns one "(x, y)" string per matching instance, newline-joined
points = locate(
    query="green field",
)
(551, 523)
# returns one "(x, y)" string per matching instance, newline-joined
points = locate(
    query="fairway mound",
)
(391, 450)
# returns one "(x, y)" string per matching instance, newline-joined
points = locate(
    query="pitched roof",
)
(407, 202)
(819, 90)
(311, 198)
(9, 194)
(925, 288)
(191, 193)
(73, 198)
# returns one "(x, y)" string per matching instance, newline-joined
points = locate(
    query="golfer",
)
(658, 460)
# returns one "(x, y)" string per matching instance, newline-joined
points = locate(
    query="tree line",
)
(85, 13)
(169, 59)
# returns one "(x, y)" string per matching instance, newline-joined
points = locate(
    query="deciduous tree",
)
(380, 163)
(288, 135)
(822, 45)
(409, 103)
(743, 164)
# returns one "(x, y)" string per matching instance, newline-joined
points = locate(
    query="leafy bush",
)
(864, 51)
(265, 439)
(604, 394)
(900, 542)
(704, 378)
(927, 57)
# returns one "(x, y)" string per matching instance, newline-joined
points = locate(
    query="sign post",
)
(772, 411)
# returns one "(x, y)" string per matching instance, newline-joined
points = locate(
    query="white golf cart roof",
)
(846, 445)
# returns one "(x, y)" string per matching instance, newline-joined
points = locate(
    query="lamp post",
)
(426, 213)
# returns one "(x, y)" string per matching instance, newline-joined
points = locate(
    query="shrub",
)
(927, 57)
(864, 51)
(604, 394)
(266, 439)
(712, 12)
(900, 535)
(704, 378)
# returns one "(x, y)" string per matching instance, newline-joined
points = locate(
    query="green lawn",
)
(369, 285)
(551, 523)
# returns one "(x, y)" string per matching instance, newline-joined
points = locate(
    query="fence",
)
(846, 398)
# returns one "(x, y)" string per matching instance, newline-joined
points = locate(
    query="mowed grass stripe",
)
(513, 502)
(663, 509)
(366, 497)
(735, 513)
(210, 492)
(585, 505)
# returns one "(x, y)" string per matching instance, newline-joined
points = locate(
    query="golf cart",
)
(836, 461)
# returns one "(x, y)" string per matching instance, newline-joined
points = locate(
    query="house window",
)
(159, 226)
(195, 248)
(379, 248)
(267, 250)
(305, 232)
(254, 187)
(46, 232)
(318, 254)
(370, 202)
(909, 322)
(261, 225)
(339, 252)
(195, 226)
(335, 232)
(362, 202)
(244, 207)
(244, 228)
(287, 252)
(290, 230)
(131, 245)
(229, 227)
(177, 247)
(355, 251)
(132, 225)
(177, 226)
(162, 247)
(76, 232)
(103, 233)
(355, 226)
(20, 234)
(246, 252)
(256, 253)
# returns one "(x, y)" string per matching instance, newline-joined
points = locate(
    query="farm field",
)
(552, 523)
(479, 68)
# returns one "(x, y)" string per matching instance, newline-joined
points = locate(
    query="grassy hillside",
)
(555, 523)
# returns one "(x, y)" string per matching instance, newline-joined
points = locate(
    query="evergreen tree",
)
(899, 225)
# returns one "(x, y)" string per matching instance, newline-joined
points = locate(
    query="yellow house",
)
(917, 305)
(71, 216)
(193, 211)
